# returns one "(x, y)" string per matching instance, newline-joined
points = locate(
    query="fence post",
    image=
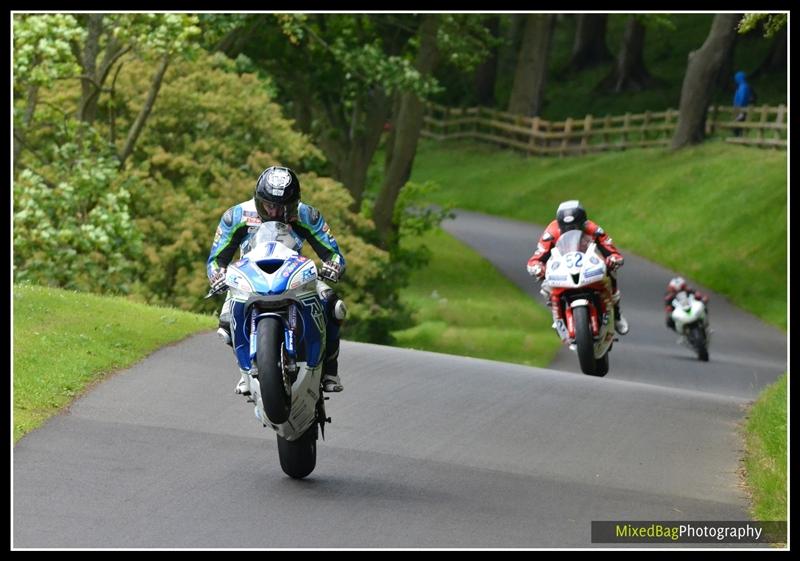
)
(587, 129)
(645, 125)
(625, 124)
(606, 126)
(433, 124)
(532, 142)
(764, 109)
(667, 122)
(518, 122)
(566, 137)
(712, 126)
(779, 120)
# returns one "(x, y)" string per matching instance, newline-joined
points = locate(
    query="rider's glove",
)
(331, 270)
(218, 280)
(536, 270)
(614, 262)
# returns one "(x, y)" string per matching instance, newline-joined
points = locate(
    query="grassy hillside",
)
(64, 341)
(714, 212)
(465, 307)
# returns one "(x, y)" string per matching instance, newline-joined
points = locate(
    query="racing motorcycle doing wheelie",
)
(285, 330)
(691, 322)
(576, 274)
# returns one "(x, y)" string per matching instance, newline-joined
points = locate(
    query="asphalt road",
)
(425, 450)
(745, 353)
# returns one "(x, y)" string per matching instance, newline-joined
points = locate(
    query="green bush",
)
(146, 230)
(72, 221)
(212, 132)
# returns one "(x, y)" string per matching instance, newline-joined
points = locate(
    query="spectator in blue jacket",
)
(743, 97)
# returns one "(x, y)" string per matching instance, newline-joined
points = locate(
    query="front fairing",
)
(687, 309)
(272, 267)
(574, 262)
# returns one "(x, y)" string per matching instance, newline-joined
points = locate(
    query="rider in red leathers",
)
(572, 216)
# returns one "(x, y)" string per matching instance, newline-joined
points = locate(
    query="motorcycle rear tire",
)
(299, 457)
(277, 404)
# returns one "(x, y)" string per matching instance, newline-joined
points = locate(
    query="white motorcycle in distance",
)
(691, 322)
(285, 328)
(576, 274)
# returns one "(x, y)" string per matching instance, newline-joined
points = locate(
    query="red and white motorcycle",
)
(576, 274)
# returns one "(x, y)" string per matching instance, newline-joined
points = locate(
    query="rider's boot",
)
(224, 333)
(558, 321)
(620, 323)
(336, 313)
(330, 371)
(243, 386)
(224, 330)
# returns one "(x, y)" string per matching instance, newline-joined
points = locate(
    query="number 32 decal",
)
(573, 260)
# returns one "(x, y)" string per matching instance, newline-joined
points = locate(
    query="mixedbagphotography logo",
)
(689, 531)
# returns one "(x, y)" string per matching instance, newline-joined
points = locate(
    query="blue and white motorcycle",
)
(286, 334)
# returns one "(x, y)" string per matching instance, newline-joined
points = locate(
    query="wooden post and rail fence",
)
(765, 126)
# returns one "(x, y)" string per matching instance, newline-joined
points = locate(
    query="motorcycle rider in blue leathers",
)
(277, 198)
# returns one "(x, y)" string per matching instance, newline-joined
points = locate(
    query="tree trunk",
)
(90, 89)
(92, 77)
(590, 47)
(236, 40)
(629, 73)
(776, 57)
(725, 81)
(486, 72)
(141, 118)
(408, 127)
(364, 144)
(392, 136)
(701, 74)
(302, 109)
(20, 133)
(516, 30)
(349, 148)
(527, 92)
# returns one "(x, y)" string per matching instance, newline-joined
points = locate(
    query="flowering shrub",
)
(75, 230)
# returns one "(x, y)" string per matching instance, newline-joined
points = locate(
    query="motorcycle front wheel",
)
(697, 337)
(270, 375)
(584, 341)
(601, 364)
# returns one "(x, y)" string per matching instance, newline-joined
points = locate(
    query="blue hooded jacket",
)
(744, 93)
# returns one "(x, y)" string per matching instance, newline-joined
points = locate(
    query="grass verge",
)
(465, 307)
(64, 341)
(765, 459)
